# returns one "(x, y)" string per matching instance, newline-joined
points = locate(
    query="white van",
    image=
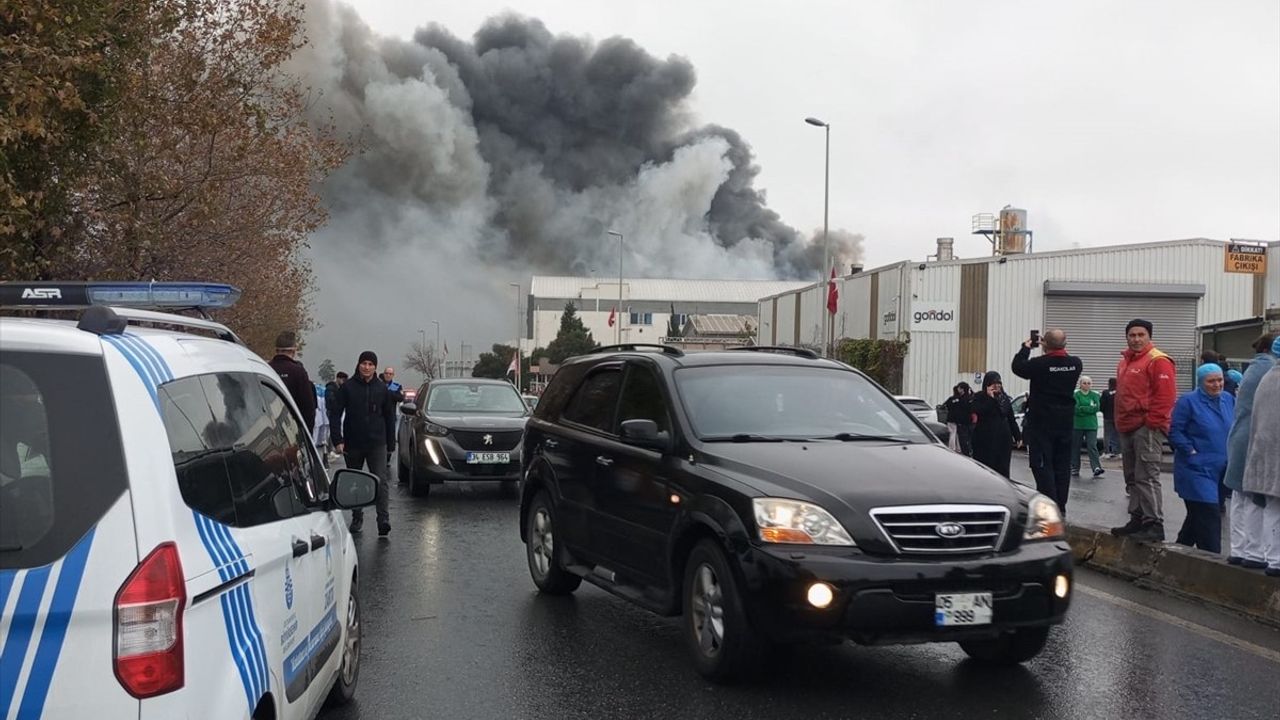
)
(171, 544)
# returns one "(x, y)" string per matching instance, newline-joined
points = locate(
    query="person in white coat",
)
(1262, 470)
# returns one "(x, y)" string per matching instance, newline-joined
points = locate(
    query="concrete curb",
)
(1179, 569)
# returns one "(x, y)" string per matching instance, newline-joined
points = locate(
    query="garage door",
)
(1095, 330)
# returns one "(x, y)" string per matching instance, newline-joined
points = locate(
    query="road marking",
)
(1196, 628)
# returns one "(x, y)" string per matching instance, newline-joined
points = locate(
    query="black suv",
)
(774, 497)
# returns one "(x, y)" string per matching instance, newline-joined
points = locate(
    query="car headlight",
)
(1044, 520)
(431, 428)
(779, 520)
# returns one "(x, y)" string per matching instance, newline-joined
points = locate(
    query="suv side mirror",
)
(644, 433)
(408, 408)
(353, 488)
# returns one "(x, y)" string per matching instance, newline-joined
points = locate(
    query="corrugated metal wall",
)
(1016, 300)
(931, 351)
(786, 319)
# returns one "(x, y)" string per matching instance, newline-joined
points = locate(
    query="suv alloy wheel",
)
(544, 562)
(724, 646)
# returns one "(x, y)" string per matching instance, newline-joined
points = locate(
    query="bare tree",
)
(424, 359)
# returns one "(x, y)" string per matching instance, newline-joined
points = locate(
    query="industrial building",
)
(962, 317)
(646, 305)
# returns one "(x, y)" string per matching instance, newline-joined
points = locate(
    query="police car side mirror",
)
(409, 408)
(353, 488)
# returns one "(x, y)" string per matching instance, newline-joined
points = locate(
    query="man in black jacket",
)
(1051, 408)
(960, 418)
(295, 379)
(366, 436)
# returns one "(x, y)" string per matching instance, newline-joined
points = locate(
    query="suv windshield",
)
(788, 402)
(460, 398)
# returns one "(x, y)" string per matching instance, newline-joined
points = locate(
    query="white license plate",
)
(488, 458)
(962, 609)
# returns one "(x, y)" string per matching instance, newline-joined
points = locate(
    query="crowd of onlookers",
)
(1225, 436)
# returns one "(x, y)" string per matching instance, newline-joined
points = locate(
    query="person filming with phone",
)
(1051, 410)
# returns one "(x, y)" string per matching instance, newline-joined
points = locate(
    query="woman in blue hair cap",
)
(1233, 381)
(1201, 421)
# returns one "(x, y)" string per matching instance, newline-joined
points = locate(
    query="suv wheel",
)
(1010, 648)
(544, 560)
(724, 646)
(344, 686)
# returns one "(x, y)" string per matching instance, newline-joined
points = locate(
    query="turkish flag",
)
(613, 316)
(832, 293)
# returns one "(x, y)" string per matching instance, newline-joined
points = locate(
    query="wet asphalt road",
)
(455, 629)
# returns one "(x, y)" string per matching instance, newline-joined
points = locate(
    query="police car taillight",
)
(148, 623)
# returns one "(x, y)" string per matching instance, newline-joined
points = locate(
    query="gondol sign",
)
(933, 316)
(1250, 258)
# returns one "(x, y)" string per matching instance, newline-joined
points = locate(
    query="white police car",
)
(170, 542)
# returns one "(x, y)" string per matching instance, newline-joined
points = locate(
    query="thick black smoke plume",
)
(481, 162)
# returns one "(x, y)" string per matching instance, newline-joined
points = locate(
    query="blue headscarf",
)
(1205, 371)
(1235, 376)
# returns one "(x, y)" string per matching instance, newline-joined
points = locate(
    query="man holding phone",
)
(1051, 411)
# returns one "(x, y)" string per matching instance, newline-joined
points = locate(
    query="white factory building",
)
(962, 317)
(646, 305)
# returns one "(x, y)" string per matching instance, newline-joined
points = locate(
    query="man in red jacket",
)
(1146, 389)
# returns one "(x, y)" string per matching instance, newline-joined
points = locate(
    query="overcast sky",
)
(1109, 122)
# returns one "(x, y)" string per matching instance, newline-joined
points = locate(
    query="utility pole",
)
(517, 288)
(618, 318)
(826, 241)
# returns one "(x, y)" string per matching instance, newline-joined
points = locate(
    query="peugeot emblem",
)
(488, 439)
(949, 529)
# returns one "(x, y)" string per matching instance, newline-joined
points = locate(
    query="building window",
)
(641, 318)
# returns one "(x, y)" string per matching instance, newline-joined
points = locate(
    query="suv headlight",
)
(1044, 520)
(779, 520)
(431, 428)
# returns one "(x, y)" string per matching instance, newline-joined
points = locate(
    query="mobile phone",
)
(1035, 338)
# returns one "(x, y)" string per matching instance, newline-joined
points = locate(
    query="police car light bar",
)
(150, 295)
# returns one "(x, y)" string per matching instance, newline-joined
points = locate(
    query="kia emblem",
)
(949, 529)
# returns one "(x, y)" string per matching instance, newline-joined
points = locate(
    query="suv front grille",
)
(503, 440)
(939, 529)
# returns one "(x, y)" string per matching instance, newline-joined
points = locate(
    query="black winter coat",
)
(294, 376)
(996, 432)
(371, 414)
(959, 410)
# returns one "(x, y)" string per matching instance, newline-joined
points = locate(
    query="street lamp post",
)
(617, 328)
(517, 289)
(436, 350)
(826, 241)
(423, 347)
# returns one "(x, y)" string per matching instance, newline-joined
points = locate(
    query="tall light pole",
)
(423, 349)
(617, 327)
(826, 241)
(436, 350)
(517, 288)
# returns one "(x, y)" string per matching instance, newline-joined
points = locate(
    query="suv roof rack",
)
(149, 318)
(779, 349)
(632, 347)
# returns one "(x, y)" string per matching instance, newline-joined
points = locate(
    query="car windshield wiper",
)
(855, 437)
(748, 437)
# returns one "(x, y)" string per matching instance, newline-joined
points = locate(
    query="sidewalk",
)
(1097, 504)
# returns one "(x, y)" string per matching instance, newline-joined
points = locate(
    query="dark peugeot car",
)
(772, 497)
(463, 429)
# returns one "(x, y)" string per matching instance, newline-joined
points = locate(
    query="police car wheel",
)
(344, 685)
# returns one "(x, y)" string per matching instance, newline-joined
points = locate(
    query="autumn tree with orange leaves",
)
(201, 165)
